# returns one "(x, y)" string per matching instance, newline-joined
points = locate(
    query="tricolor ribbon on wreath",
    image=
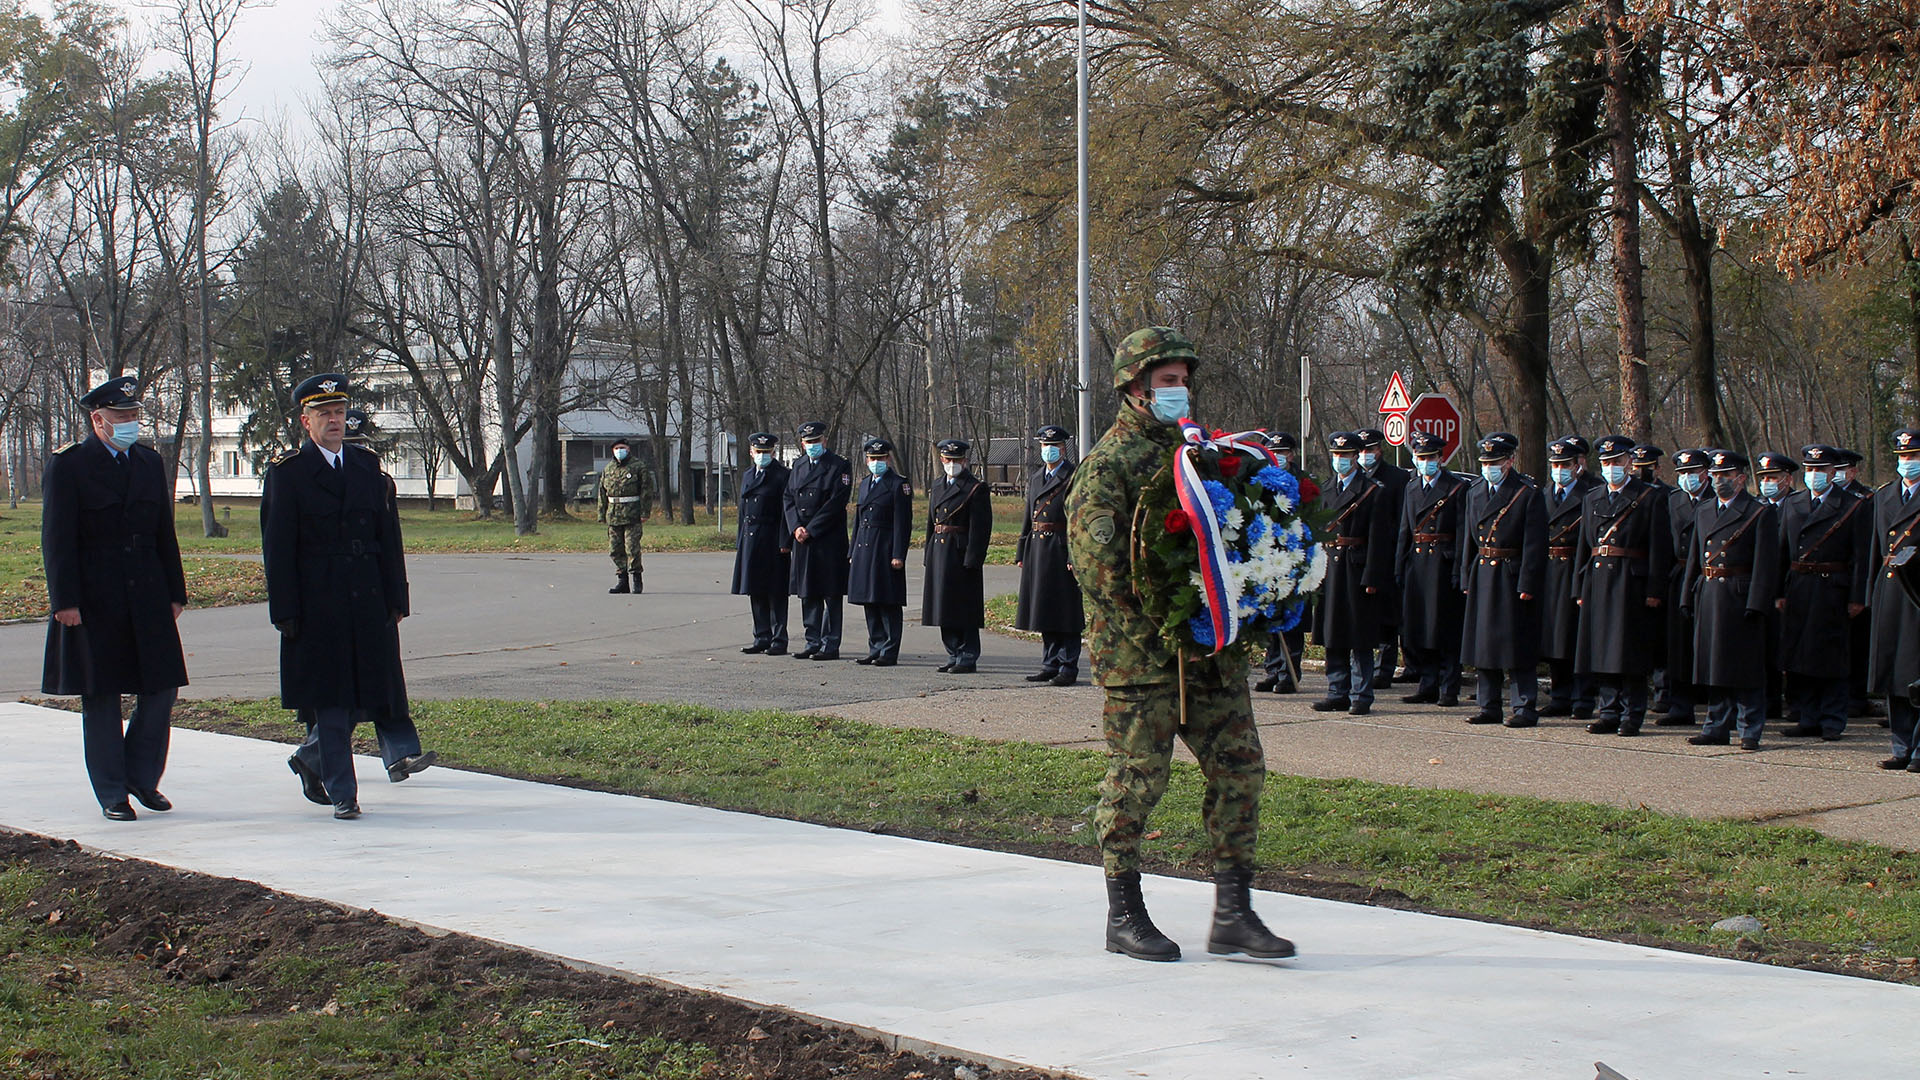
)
(1206, 526)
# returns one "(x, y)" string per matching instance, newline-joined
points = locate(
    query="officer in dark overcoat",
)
(1431, 606)
(1049, 596)
(1683, 503)
(1622, 570)
(1829, 550)
(1286, 649)
(1859, 704)
(959, 526)
(818, 488)
(116, 588)
(1566, 495)
(877, 578)
(1894, 659)
(763, 546)
(1359, 542)
(1501, 570)
(1644, 461)
(1733, 578)
(336, 585)
(1394, 480)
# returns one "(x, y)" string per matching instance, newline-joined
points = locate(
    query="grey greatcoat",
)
(761, 563)
(882, 524)
(1828, 553)
(1624, 559)
(816, 499)
(1733, 577)
(336, 580)
(1359, 541)
(1560, 616)
(107, 540)
(1049, 597)
(1894, 660)
(1504, 557)
(959, 525)
(1431, 537)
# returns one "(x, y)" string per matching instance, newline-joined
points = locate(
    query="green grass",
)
(212, 581)
(1569, 866)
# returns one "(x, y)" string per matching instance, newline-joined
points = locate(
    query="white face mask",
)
(954, 468)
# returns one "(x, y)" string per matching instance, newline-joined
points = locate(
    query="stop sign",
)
(1436, 414)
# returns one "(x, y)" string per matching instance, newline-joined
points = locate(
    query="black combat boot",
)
(1236, 929)
(1128, 928)
(621, 585)
(636, 582)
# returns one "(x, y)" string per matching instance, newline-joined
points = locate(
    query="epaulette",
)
(285, 457)
(69, 446)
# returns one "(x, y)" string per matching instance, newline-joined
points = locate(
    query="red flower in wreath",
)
(1229, 464)
(1177, 521)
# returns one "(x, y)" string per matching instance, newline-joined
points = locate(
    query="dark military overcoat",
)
(1505, 556)
(1828, 552)
(336, 577)
(1560, 616)
(1894, 658)
(1682, 508)
(761, 563)
(959, 526)
(816, 499)
(1049, 597)
(107, 541)
(1624, 559)
(1393, 480)
(1431, 537)
(882, 524)
(1733, 578)
(1359, 541)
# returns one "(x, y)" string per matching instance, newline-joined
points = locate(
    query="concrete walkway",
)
(987, 956)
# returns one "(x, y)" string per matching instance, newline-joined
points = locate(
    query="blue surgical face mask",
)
(620, 453)
(1429, 468)
(1770, 488)
(1368, 459)
(1909, 468)
(814, 450)
(877, 468)
(1818, 481)
(1690, 482)
(1170, 404)
(1282, 460)
(125, 434)
(1494, 474)
(1343, 464)
(1561, 474)
(1613, 474)
(1050, 455)
(761, 461)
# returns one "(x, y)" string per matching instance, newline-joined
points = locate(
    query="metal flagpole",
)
(1084, 324)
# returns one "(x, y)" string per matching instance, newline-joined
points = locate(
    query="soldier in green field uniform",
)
(1141, 675)
(626, 498)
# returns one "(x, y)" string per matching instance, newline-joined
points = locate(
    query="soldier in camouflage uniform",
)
(626, 498)
(1141, 675)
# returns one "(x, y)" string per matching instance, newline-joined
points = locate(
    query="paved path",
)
(543, 626)
(989, 956)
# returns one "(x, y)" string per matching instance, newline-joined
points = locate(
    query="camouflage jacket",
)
(1124, 642)
(626, 493)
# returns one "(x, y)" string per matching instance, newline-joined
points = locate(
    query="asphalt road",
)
(531, 627)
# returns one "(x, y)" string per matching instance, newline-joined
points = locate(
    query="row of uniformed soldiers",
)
(793, 539)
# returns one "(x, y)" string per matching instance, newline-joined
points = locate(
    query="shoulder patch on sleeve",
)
(284, 456)
(906, 488)
(1102, 529)
(69, 446)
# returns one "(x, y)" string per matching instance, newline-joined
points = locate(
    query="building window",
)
(230, 463)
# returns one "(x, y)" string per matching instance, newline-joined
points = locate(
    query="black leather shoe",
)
(1484, 718)
(1523, 721)
(944, 668)
(1043, 676)
(1911, 766)
(1603, 727)
(885, 661)
(1551, 709)
(152, 800)
(752, 649)
(407, 766)
(771, 651)
(1447, 701)
(310, 784)
(805, 654)
(120, 811)
(1708, 740)
(1835, 737)
(864, 661)
(1332, 704)
(1802, 731)
(1749, 745)
(825, 656)
(1129, 930)
(1286, 687)
(1066, 678)
(1895, 764)
(962, 669)
(1421, 698)
(346, 811)
(1628, 731)
(1360, 709)
(1582, 712)
(1265, 686)
(1675, 720)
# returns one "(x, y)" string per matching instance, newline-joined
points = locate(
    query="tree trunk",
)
(1635, 419)
(1912, 269)
(1524, 341)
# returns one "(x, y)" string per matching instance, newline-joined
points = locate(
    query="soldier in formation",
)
(626, 500)
(1894, 661)
(1358, 591)
(1049, 597)
(1432, 606)
(762, 545)
(1393, 483)
(1566, 498)
(959, 527)
(1733, 575)
(1828, 535)
(816, 518)
(1622, 562)
(1502, 567)
(877, 574)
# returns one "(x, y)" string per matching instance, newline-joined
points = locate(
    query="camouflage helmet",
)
(1143, 349)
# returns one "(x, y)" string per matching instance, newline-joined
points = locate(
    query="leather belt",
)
(946, 529)
(1819, 567)
(1348, 542)
(1432, 538)
(623, 498)
(1606, 551)
(1726, 571)
(1500, 553)
(1555, 551)
(1048, 527)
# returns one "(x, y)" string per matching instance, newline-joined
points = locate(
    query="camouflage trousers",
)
(1140, 723)
(623, 543)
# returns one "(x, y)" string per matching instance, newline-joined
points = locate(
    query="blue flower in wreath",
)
(1290, 615)
(1257, 528)
(1220, 497)
(1201, 629)
(1274, 478)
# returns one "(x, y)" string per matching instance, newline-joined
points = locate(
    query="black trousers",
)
(397, 737)
(1622, 698)
(963, 644)
(1822, 703)
(885, 624)
(1060, 653)
(1526, 691)
(1437, 670)
(328, 749)
(122, 760)
(769, 620)
(822, 616)
(1569, 689)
